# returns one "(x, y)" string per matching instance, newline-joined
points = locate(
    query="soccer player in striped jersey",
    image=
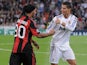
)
(63, 25)
(22, 51)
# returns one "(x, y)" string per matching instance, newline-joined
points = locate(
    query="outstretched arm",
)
(42, 35)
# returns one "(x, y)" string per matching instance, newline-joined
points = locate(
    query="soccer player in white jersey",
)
(63, 25)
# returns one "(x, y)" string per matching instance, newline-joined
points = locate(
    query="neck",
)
(29, 15)
(67, 15)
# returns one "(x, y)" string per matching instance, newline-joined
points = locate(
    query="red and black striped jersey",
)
(24, 30)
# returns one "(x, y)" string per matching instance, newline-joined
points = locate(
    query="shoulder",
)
(55, 18)
(59, 16)
(73, 16)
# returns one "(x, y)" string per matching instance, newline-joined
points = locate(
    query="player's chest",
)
(65, 20)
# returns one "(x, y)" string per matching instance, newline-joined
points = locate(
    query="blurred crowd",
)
(10, 11)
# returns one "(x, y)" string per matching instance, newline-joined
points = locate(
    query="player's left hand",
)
(36, 45)
(51, 32)
(57, 21)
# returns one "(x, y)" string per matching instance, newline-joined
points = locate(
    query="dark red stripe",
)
(16, 43)
(33, 59)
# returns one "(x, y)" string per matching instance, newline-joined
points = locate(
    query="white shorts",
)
(56, 54)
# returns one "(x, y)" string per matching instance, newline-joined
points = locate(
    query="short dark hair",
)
(28, 8)
(68, 4)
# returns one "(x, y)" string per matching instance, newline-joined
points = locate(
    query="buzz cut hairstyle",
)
(68, 4)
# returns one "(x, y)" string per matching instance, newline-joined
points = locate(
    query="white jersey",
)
(62, 34)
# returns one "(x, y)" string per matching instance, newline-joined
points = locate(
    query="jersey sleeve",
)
(72, 25)
(33, 29)
(51, 25)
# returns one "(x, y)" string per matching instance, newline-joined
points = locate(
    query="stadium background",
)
(11, 10)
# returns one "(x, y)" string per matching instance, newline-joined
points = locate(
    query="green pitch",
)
(78, 43)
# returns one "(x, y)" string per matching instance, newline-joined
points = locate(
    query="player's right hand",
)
(51, 32)
(57, 21)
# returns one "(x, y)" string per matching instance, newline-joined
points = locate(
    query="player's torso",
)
(62, 32)
(61, 35)
(22, 36)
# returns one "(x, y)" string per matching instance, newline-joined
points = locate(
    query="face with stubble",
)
(65, 10)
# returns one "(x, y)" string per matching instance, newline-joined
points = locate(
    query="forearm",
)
(42, 35)
(69, 27)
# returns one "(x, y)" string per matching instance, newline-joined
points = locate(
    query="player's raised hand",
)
(51, 32)
(57, 21)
